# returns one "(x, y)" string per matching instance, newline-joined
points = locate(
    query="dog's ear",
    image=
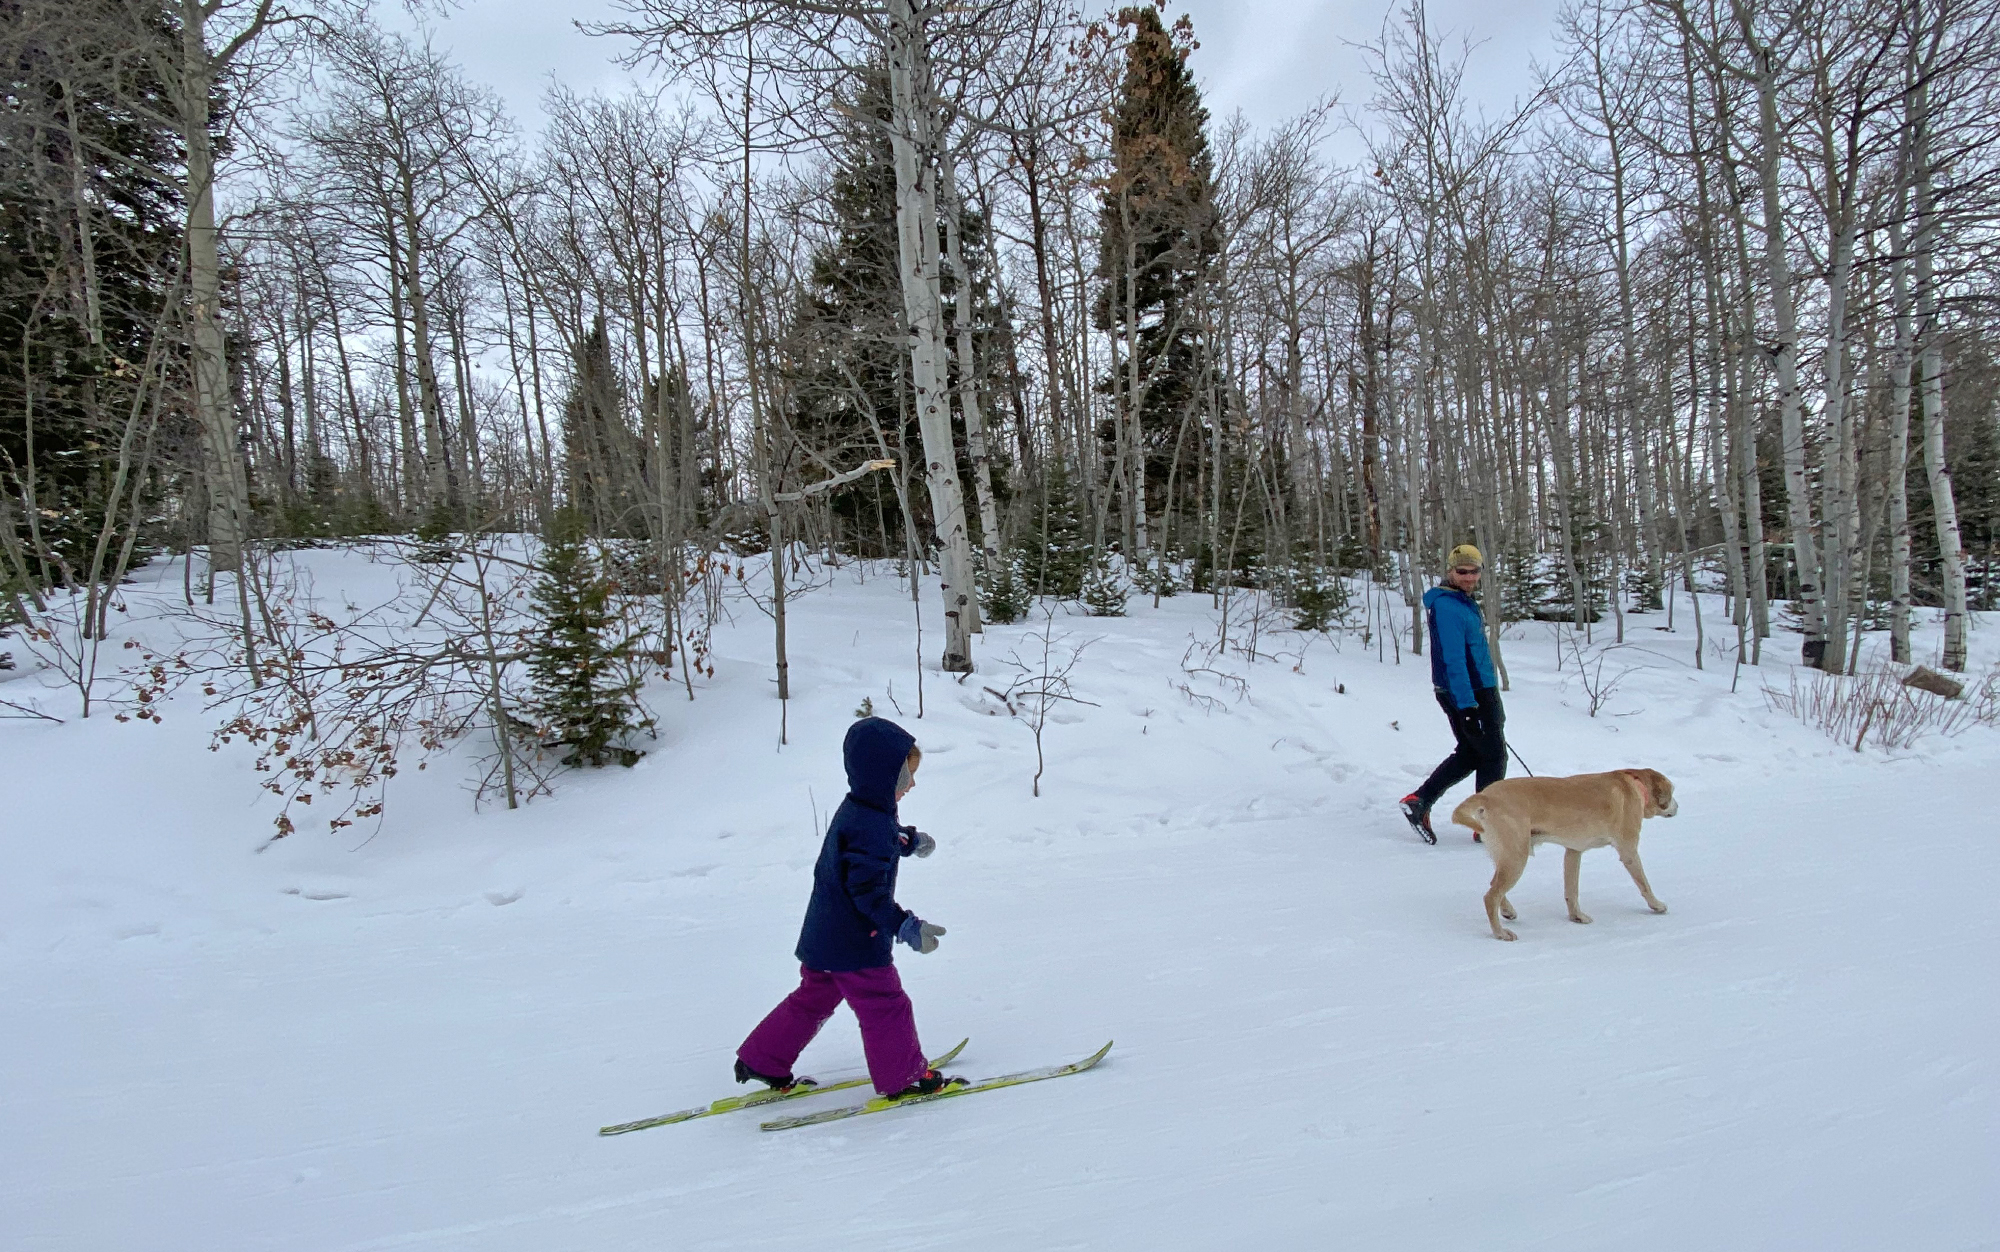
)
(1662, 789)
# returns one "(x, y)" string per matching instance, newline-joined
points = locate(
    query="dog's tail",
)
(1471, 812)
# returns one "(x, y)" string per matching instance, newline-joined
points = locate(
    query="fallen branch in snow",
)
(1235, 684)
(22, 710)
(1201, 700)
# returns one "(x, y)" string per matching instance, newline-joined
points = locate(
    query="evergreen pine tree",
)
(1521, 584)
(846, 354)
(1104, 593)
(72, 328)
(1052, 545)
(1158, 231)
(1160, 578)
(585, 682)
(603, 452)
(434, 535)
(1556, 599)
(1319, 598)
(1642, 591)
(1004, 594)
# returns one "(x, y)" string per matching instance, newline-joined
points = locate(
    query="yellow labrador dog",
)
(1515, 815)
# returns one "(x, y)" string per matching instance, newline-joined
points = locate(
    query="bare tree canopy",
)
(981, 288)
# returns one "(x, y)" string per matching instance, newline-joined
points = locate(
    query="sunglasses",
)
(1467, 571)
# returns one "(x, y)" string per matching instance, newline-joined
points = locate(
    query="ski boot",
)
(744, 1074)
(931, 1083)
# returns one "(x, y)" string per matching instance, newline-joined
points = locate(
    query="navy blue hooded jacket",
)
(853, 917)
(1460, 662)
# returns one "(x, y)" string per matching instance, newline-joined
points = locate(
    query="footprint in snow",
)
(317, 893)
(498, 898)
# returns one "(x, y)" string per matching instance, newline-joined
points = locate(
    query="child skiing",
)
(851, 922)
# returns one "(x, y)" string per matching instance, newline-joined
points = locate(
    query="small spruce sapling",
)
(1159, 579)
(585, 666)
(1319, 599)
(1104, 594)
(1004, 595)
(1052, 546)
(434, 536)
(1643, 590)
(1521, 583)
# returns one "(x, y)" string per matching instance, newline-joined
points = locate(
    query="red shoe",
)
(1418, 814)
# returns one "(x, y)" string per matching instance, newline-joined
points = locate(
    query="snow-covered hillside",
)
(407, 1037)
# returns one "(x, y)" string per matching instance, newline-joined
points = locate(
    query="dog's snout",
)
(1673, 807)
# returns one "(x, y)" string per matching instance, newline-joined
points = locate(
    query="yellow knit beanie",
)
(1464, 554)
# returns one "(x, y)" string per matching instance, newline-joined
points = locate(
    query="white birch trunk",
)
(1715, 404)
(430, 403)
(1839, 476)
(968, 376)
(1901, 359)
(912, 137)
(1944, 507)
(1785, 349)
(1628, 367)
(227, 482)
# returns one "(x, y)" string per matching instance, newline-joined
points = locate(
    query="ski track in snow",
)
(409, 1044)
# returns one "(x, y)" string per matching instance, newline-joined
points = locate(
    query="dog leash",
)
(1524, 764)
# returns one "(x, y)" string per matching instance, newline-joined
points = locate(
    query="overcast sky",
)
(1268, 58)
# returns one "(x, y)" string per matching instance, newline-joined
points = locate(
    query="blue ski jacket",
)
(853, 916)
(1460, 663)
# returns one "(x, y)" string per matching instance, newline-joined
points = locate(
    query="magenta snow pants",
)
(888, 1025)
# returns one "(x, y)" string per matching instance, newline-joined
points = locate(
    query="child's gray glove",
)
(920, 844)
(919, 934)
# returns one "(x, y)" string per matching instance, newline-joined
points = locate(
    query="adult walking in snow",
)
(1467, 689)
(845, 946)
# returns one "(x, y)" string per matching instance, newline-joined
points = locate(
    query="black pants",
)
(1482, 745)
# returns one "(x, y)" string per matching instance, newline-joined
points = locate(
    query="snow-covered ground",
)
(409, 1042)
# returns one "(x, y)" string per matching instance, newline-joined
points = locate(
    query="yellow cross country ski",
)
(882, 1104)
(730, 1104)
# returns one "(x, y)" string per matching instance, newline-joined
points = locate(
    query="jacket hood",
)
(874, 753)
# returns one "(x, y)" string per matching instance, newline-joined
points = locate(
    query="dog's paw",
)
(1658, 906)
(1581, 919)
(1507, 911)
(1504, 933)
